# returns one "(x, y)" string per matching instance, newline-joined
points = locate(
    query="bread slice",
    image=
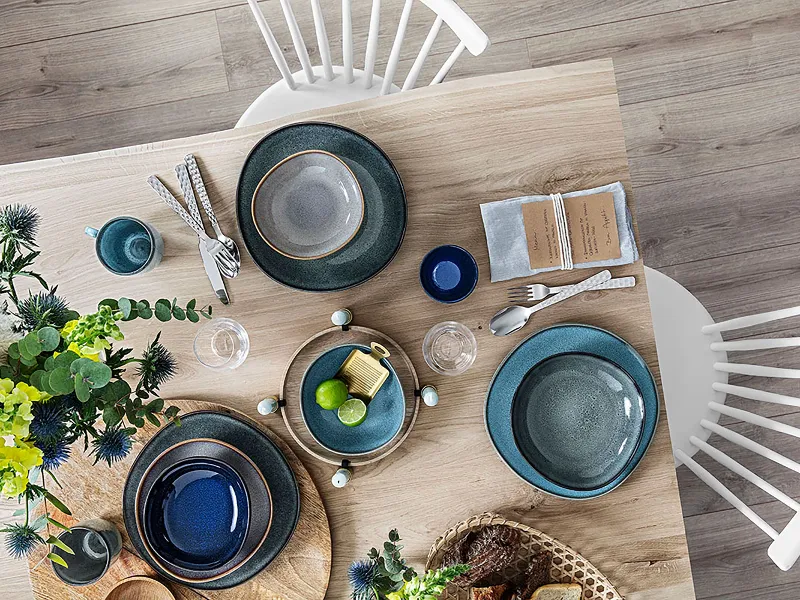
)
(495, 592)
(558, 591)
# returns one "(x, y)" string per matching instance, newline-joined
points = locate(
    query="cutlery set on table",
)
(220, 254)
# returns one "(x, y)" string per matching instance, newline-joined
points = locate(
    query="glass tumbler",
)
(449, 348)
(96, 544)
(221, 344)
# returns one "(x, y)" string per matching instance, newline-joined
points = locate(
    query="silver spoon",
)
(514, 318)
(197, 179)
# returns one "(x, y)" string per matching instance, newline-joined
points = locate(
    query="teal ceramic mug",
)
(127, 246)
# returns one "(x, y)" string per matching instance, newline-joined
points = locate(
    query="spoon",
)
(514, 318)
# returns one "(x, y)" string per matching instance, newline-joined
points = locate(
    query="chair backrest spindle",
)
(322, 40)
(394, 55)
(448, 64)
(272, 44)
(297, 40)
(347, 40)
(372, 43)
(411, 79)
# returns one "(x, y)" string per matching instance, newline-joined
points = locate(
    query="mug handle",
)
(91, 232)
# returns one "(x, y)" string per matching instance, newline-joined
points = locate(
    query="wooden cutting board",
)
(300, 572)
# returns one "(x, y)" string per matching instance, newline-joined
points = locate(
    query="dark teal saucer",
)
(572, 410)
(383, 227)
(385, 412)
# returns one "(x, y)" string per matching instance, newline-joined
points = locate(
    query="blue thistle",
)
(48, 419)
(112, 445)
(157, 366)
(362, 574)
(19, 224)
(42, 310)
(21, 540)
(54, 453)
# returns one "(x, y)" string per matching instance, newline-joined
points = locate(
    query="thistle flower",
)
(19, 224)
(21, 539)
(43, 309)
(362, 574)
(54, 453)
(48, 419)
(156, 367)
(112, 445)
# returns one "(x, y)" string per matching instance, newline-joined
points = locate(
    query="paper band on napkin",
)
(524, 236)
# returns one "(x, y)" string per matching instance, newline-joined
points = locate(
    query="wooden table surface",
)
(455, 145)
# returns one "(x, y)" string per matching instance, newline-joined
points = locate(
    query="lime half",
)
(353, 412)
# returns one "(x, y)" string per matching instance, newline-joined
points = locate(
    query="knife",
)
(214, 275)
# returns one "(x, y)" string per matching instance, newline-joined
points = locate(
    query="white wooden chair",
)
(694, 368)
(327, 84)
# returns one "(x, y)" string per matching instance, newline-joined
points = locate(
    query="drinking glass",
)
(96, 544)
(221, 344)
(449, 348)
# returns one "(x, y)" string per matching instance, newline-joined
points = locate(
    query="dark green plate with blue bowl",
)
(572, 410)
(381, 232)
(267, 458)
(385, 412)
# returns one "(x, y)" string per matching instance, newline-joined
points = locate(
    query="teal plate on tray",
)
(572, 410)
(381, 232)
(385, 412)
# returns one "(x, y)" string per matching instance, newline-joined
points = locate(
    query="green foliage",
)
(163, 309)
(392, 570)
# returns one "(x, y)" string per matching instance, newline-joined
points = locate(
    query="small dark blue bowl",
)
(448, 274)
(197, 514)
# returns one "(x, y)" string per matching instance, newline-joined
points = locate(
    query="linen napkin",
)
(508, 244)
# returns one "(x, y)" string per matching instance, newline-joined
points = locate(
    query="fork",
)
(225, 261)
(539, 291)
(197, 179)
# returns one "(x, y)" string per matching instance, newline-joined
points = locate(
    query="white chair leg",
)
(394, 55)
(272, 44)
(763, 344)
(297, 40)
(411, 79)
(757, 370)
(372, 43)
(448, 64)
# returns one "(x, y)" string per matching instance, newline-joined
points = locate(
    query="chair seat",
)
(685, 359)
(279, 100)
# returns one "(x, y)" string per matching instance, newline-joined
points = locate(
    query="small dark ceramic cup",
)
(448, 274)
(127, 246)
(96, 544)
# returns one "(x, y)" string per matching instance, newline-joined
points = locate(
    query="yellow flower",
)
(84, 352)
(17, 407)
(16, 461)
(68, 327)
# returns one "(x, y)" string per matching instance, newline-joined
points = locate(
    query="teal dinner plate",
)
(385, 412)
(572, 410)
(384, 221)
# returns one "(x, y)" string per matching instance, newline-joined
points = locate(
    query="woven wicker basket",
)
(568, 565)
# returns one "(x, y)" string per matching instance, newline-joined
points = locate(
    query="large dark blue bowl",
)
(197, 514)
(448, 274)
(516, 419)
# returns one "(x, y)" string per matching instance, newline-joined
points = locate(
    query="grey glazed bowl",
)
(308, 206)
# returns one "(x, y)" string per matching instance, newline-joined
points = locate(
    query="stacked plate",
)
(320, 207)
(211, 503)
(572, 410)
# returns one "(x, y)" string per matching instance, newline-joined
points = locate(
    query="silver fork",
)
(227, 265)
(197, 179)
(539, 291)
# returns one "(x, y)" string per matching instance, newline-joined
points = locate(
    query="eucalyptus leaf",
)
(13, 351)
(98, 374)
(111, 416)
(178, 313)
(110, 302)
(78, 364)
(142, 304)
(153, 419)
(145, 313)
(65, 359)
(192, 315)
(191, 304)
(36, 379)
(163, 310)
(49, 363)
(156, 405)
(61, 380)
(82, 390)
(6, 372)
(28, 361)
(49, 338)
(125, 306)
(32, 344)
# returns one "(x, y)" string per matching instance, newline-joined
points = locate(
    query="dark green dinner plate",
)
(380, 235)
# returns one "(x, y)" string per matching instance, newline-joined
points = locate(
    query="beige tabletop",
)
(455, 145)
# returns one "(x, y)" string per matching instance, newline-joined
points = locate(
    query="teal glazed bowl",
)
(572, 410)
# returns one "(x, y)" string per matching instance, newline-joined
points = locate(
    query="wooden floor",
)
(710, 104)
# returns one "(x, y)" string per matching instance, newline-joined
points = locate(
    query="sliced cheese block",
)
(558, 591)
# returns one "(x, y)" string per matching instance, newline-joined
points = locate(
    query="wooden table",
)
(455, 146)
